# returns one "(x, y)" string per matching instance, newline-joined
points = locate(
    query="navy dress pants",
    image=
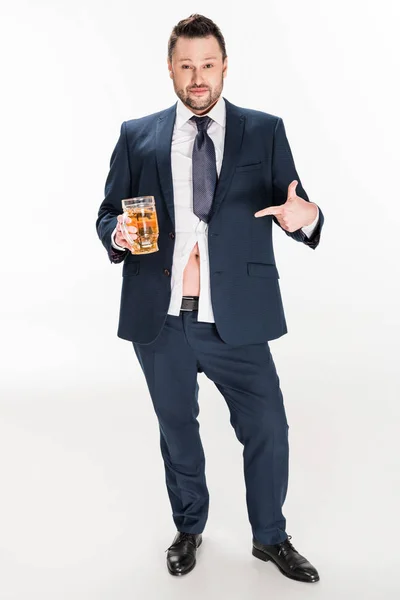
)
(247, 379)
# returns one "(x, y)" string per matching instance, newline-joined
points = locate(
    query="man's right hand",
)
(120, 239)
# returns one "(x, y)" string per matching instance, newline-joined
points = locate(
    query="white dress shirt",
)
(189, 229)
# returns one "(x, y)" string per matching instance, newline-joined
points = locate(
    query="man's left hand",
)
(294, 214)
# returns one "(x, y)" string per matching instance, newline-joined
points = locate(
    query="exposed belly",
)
(191, 274)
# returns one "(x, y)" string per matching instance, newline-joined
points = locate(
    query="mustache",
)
(200, 87)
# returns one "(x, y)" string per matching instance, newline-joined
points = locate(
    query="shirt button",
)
(166, 272)
(172, 235)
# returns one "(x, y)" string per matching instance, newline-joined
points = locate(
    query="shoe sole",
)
(179, 573)
(263, 556)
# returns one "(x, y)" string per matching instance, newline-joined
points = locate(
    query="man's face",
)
(197, 71)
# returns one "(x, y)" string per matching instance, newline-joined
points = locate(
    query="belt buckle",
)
(189, 299)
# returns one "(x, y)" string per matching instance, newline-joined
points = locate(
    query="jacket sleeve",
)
(117, 187)
(283, 173)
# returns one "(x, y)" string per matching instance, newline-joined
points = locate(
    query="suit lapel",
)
(164, 130)
(233, 141)
(234, 128)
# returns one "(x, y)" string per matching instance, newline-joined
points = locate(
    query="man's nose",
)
(198, 79)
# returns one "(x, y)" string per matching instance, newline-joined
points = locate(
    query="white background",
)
(84, 511)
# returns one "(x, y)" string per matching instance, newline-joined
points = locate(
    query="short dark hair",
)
(196, 26)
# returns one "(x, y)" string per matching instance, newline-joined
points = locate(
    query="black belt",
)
(190, 303)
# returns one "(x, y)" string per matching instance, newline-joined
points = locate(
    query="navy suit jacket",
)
(256, 171)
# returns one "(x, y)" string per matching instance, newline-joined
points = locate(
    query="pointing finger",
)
(271, 210)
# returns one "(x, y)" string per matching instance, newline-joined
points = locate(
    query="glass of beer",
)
(142, 214)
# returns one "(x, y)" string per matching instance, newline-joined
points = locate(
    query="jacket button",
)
(166, 272)
(172, 235)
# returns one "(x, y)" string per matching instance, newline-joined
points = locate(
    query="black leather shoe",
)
(287, 559)
(181, 557)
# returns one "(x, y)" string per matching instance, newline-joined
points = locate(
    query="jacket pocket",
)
(251, 167)
(130, 268)
(262, 270)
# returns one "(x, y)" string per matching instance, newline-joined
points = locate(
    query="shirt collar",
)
(217, 113)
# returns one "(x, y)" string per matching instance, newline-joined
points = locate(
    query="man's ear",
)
(225, 67)
(171, 74)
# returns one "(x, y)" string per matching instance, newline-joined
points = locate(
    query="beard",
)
(202, 102)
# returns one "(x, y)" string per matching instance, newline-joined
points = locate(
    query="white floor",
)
(84, 512)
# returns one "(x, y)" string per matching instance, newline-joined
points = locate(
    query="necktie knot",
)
(201, 122)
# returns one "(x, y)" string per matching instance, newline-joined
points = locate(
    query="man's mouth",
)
(199, 91)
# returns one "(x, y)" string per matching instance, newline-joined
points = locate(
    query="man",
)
(209, 300)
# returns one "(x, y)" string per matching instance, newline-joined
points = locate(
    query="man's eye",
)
(188, 66)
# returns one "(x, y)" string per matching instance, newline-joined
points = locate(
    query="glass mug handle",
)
(125, 229)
